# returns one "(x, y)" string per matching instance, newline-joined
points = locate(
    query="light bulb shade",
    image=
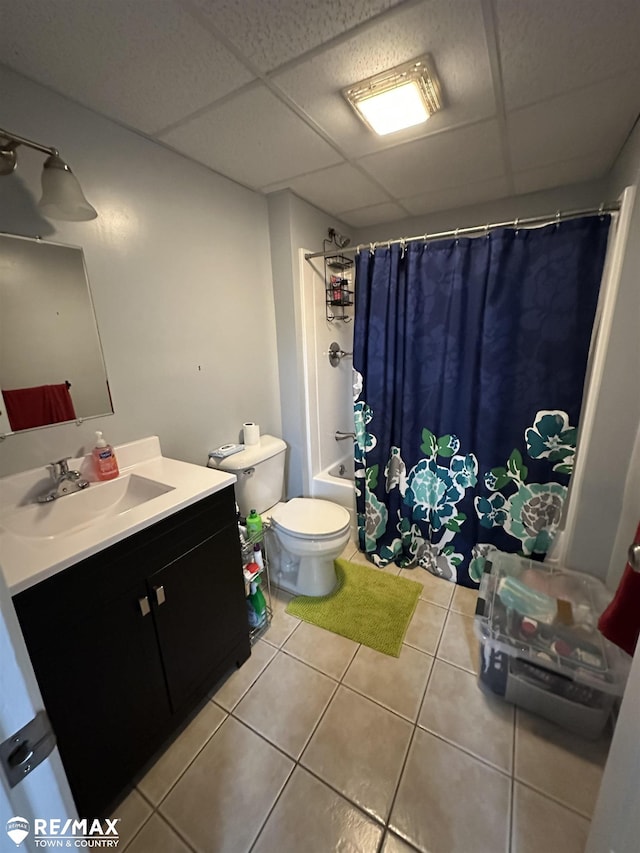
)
(62, 197)
(401, 97)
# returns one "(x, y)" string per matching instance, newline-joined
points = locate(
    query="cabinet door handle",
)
(160, 596)
(145, 607)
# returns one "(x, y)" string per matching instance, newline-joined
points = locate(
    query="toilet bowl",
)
(307, 534)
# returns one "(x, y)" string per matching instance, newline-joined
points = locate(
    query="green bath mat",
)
(368, 606)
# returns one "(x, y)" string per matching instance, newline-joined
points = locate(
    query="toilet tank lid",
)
(311, 516)
(268, 446)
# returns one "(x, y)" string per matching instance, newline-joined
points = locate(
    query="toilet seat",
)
(311, 518)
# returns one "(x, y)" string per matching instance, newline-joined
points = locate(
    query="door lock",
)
(27, 748)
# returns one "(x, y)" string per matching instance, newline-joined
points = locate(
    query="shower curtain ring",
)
(515, 224)
(557, 218)
(455, 234)
(403, 247)
(601, 210)
(486, 230)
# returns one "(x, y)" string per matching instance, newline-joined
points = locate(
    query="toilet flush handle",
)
(249, 471)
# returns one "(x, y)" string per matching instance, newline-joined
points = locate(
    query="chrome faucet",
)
(341, 436)
(65, 481)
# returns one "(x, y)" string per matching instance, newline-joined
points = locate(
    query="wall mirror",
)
(51, 364)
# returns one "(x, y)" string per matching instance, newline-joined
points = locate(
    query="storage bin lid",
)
(549, 616)
(311, 517)
(252, 455)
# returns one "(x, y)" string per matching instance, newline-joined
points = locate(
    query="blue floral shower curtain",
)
(469, 364)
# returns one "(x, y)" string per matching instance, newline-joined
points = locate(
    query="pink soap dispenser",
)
(104, 459)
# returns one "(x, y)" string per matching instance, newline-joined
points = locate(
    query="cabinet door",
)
(201, 615)
(104, 690)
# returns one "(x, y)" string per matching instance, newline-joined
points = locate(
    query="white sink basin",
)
(69, 513)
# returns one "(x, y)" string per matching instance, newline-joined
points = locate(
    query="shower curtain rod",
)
(559, 216)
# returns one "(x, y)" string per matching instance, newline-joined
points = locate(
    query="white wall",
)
(294, 224)
(179, 265)
(502, 210)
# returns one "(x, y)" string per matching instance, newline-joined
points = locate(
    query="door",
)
(44, 793)
(615, 826)
(201, 614)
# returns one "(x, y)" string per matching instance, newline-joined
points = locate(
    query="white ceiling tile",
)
(452, 32)
(253, 138)
(273, 32)
(336, 188)
(561, 174)
(141, 62)
(593, 120)
(373, 215)
(449, 199)
(549, 47)
(438, 162)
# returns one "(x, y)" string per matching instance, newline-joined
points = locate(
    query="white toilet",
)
(306, 534)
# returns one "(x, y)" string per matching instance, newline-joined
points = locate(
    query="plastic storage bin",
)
(540, 647)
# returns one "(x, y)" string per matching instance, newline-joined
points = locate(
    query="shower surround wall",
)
(328, 393)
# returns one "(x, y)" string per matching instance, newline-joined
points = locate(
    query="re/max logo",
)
(56, 827)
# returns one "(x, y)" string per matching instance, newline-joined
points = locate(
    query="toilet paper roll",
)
(251, 433)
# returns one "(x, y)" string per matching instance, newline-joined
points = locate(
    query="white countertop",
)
(26, 560)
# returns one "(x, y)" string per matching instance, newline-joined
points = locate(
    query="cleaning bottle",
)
(257, 603)
(254, 524)
(257, 555)
(104, 459)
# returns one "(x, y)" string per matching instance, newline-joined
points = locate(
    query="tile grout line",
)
(156, 808)
(466, 751)
(213, 733)
(513, 781)
(271, 810)
(413, 733)
(296, 761)
(142, 825)
(176, 831)
(551, 798)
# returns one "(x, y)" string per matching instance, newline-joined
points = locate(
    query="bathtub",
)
(335, 484)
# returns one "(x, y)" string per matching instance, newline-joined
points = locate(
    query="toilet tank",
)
(260, 473)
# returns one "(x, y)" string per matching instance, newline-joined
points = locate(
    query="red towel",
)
(620, 622)
(38, 406)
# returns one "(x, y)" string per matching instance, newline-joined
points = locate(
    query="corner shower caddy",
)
(338, 287)
(247, 543)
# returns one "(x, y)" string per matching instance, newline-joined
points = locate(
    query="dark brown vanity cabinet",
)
(126, 643)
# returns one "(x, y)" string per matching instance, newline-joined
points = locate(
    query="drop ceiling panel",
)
(448, 159)
(593, 120)
(274, 32)
(141, 62)
(373, 215)
(552, 46)
(337, 188)
(471, 193)
(253, 138)
(452, 32)
(562, 174)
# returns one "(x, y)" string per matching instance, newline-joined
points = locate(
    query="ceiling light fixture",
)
(62, 196)
(400, 97)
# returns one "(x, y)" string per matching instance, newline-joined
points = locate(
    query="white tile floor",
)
(318, 744)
